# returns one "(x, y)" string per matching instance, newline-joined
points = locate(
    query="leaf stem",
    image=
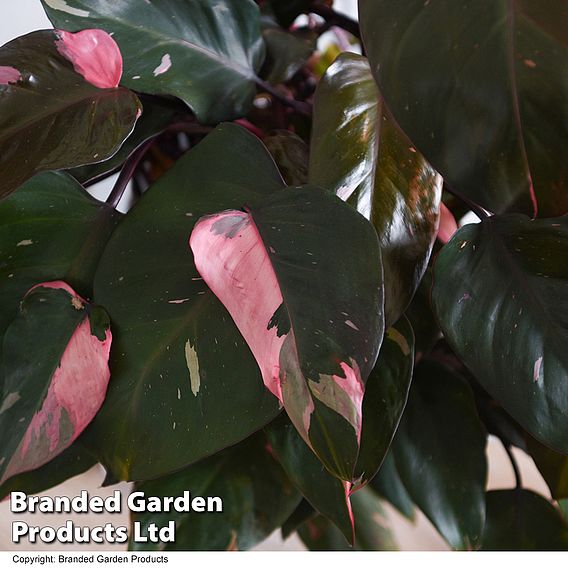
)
(305, 109)
(479, 211)
(336, 19)
(133, 161)
(127, 172)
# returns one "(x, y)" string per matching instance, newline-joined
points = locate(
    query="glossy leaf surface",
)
(385, 397)
(439, 452)
(325, 493)
(55, 369)
(520, 354)
(156, 116)
(257, 498)
(205, 52)
(479, 87)
(183, 377)
(285, 274)
(51, 117)
(50, 229)
(523, 520)
(359, 153)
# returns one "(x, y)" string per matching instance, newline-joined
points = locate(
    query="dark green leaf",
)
(371, 528)
(523, 520)
(303, 512)
(286, 275)
(385, 397)
(325, 493)
(50, 229)
(183, 376)
(552, 466)
(479, 87)
(439, 451)
(291, 155)
(287, 52)
(157, 115)
(71, 462)
(51, 118)
(360, 154)
(388, 485)
(500, 294)
(422, 319)
(257, 498)
(55, 339)
(206, 52)
(564, 507)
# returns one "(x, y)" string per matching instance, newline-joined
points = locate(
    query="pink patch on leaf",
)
(448, 225)
(78, 388)
(232, 260)
(353, 386)
(9, 75)
(94, 54)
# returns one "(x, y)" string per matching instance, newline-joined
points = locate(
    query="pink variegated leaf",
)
(56, 373)
(286, 274)
(60, 103)
(94, 54)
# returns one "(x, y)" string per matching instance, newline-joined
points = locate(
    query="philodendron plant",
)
(287, 315)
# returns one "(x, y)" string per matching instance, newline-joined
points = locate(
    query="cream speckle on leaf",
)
(164, 66)
(62, 6)
(193, 367)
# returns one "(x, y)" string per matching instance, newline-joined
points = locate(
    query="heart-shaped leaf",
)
(55, 369)
(385, 397)
(206, 52)
(479, 87)
(50, 116)
(50, 229)
(359, 153)
(285, 269)
(327, 494)
(518, 519)
(257, 498)
(183, 376)
(439, 451)
(520, 354)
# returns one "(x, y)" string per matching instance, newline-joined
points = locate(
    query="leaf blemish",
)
(351, 325)
(193, 367)
(164, 65)
(25, 243)
(537, 368)
(9, 401)
(62, 6)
